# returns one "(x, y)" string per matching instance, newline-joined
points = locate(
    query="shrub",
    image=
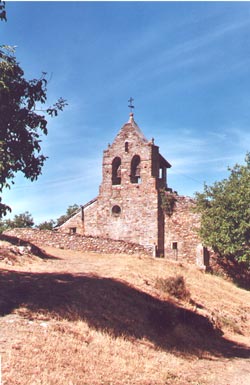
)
(168, 201)
(174, 286)
(225, 215)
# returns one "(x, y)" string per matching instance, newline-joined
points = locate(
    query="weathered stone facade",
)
(181, 235)
(129, 205)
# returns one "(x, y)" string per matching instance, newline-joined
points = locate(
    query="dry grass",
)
(99, 319)
(65, 353)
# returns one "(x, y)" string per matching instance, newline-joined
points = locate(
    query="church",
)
(135, 203)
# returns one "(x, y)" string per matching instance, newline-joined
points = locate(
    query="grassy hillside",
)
(75, 318)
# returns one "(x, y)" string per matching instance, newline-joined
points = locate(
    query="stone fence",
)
(77, 242)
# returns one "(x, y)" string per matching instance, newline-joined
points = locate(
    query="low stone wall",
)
(77, 242)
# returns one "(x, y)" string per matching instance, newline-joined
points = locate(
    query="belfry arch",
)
(116, 170)
(135, 170)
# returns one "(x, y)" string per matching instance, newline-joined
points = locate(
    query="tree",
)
(71, 210)
(47, 225)
(21, 220)
(22, 121)
(225, 214)
(2, 11)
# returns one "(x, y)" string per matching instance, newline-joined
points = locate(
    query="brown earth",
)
(69, 317)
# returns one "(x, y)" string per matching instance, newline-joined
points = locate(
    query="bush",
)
(174, 286)
(168, 201)
(225, 214)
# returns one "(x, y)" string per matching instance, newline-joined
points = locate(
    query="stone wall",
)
(179, 232)
(77, 242)
(181, 236)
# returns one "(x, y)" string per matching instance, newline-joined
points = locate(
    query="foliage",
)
(225, 214)
(167, 201)
(71, 210)
(174, 286)
(21, 126)
(21, 220)
(3, 226)
(2, 11)
(47, 225)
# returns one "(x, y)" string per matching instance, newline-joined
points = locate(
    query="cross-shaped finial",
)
(130, 104)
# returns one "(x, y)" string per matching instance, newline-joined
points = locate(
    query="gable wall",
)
(74, 222)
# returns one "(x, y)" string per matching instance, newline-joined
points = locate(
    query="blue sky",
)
(186, 64)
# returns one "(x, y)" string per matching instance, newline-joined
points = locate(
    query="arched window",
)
(116, 171)
(135, 173)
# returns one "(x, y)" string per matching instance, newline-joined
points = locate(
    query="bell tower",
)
(128, 205)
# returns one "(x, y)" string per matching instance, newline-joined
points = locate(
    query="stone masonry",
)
(181, 232)
(77, 242)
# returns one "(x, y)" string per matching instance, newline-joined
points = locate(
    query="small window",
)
(175, 245)
(126, 146)
(72, 230)
(116, 211)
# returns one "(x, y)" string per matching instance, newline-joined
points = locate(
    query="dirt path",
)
(14, 328)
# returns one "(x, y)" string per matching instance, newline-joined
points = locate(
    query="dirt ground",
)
(19, 325)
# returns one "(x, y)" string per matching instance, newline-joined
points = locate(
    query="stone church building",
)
(135, 203)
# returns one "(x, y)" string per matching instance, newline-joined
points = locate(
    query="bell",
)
(118, 173)
(138, 172)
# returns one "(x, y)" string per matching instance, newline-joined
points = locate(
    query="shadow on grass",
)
(114, 306)
(238, 272)
(35, 250)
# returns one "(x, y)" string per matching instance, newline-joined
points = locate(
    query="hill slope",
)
(83, 318)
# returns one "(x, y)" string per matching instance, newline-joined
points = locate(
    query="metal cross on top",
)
(130, 104)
